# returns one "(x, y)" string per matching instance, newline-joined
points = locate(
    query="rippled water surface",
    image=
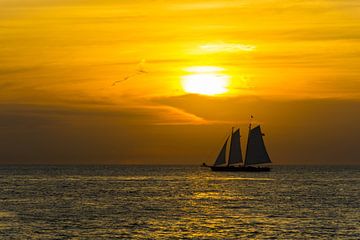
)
(122, 202)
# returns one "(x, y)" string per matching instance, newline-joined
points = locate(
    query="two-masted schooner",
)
(255, 153)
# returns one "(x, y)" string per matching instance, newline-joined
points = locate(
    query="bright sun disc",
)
(205, 83)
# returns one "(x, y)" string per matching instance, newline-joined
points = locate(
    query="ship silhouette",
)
(256, 156)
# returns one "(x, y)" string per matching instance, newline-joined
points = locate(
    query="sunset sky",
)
(163, 82)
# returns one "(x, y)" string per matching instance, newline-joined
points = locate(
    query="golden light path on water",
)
(205, 80)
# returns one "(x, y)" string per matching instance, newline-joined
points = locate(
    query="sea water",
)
(172, 202)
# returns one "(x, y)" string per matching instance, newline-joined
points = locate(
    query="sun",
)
(205, 80)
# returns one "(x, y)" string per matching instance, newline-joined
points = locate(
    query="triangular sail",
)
(256, 152)
(221, 159)
(235, 155)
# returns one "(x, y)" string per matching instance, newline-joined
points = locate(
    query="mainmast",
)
(235, 155)
(247, 144)
(232, 131)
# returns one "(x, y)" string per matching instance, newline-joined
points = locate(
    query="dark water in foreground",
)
(109, 202)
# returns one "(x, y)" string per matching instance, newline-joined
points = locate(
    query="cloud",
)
(15, 70)
(35, 115)
(33, 133)
(317, 131)
(226, 47)
(322, 131)
(239, 108)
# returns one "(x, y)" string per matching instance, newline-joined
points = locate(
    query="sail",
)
(235, 155)
(256, 152)
(221, 157)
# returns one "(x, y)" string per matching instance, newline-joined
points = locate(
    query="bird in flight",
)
(140, 70)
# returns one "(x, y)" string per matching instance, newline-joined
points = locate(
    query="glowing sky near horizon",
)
(67, 66)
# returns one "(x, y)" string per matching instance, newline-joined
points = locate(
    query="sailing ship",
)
(255, 155)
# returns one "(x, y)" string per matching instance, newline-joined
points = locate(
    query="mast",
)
(247, 144)
(235, 156)
(231, 140)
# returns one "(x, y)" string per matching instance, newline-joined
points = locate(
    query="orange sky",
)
(90, 81)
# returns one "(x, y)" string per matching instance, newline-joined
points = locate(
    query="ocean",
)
(179, 202)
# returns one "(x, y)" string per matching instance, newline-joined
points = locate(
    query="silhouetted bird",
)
(139, 71)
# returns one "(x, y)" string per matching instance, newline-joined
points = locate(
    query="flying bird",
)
(123, 80)
(140, 70)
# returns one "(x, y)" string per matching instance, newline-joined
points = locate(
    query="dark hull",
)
(239, 169)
